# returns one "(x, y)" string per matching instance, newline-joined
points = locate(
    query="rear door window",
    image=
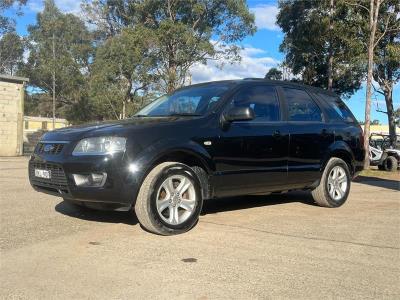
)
(301, 107)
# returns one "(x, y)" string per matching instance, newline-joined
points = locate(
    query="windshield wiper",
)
(182, 115)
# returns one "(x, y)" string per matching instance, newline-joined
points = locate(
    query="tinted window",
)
(337, 110)
(301, 107)
(262, 99)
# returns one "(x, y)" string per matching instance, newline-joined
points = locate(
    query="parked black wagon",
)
(204, 141)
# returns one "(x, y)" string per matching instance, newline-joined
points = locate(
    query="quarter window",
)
(301, 107)
(262, 99)
(337, 111)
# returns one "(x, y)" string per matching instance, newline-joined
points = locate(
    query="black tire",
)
(145, 206)
(321, 194)
(390, 164)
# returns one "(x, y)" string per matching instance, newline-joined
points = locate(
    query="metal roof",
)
(9, 78)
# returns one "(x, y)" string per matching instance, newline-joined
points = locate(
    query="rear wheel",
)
(334, 186)
(390, 164)
(169, 200)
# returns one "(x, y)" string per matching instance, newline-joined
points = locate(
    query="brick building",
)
(11, 115)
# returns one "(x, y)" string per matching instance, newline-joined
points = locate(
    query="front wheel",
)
(334, 186)
(170, 199)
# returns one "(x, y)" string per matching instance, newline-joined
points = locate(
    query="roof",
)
(15, 79)
(263, 80)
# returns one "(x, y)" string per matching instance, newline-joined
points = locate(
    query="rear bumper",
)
(358, 167)
(119, 190)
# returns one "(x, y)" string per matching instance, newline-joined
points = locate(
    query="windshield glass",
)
(192, 101)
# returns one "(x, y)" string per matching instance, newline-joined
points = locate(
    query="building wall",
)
(11, 118)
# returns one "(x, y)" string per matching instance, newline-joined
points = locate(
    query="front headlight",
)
(100, 145)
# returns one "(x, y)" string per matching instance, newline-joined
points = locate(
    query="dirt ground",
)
(277, 246)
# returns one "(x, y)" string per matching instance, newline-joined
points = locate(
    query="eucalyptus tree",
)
(11, 53)
(187, 32)
(320, 44)
(123, 71)
(59, 60)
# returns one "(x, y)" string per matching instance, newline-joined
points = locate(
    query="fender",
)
(151, 154)
(342, 150)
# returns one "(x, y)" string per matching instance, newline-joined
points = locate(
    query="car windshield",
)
(192, 101)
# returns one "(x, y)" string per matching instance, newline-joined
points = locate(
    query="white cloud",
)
(266, 16)
(252, 65)
(66, 6)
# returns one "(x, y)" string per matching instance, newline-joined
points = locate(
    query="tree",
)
(187, 32)
(386, 71)
(7, 24)
(397, 113)
(124, 66)
(274, 74)
(59, 62)
(11, 53)
(319, 44)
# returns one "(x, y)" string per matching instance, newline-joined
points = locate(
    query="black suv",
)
(204, 141)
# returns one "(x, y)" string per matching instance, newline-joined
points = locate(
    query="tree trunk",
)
(171, 83)
(390, 114)
(330, 72)
(330, 51)
(123, 109)
(373, 19)
(54, 81)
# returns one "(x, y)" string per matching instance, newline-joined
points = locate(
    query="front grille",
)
(49, 148)
(57, 182)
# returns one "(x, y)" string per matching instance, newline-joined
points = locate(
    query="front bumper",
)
(119, 190)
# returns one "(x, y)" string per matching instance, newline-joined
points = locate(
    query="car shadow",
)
(379, 182)
(89, 214)
(209, 207)
(251, 201)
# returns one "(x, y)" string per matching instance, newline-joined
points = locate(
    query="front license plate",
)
(43, 173)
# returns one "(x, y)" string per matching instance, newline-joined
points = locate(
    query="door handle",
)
(276, 133)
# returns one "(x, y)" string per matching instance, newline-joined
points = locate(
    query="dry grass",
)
(374, 172)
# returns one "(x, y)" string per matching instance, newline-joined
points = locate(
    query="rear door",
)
(310, 137)
(251, 156)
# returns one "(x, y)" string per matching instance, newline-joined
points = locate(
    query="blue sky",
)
(260, 52)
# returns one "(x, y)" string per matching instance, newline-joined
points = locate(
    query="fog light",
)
(90, 180)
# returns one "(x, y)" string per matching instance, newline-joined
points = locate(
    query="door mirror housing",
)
(239, 114)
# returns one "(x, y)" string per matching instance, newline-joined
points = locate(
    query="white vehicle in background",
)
(381, 154)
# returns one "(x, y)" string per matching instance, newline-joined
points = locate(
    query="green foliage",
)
(274, 74)
(124, 67)
(11, 53)
(73, 53)
(183, 29)
(313, 36)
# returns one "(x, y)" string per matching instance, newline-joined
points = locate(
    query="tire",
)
(390, 164)
(178, 216)
(339, 187)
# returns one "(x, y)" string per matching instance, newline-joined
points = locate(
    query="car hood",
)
(110, 127)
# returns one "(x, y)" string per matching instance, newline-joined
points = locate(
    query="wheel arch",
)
(191, 155)
(343, 151)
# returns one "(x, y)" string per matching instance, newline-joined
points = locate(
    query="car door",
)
(251, 156)
(310, 137)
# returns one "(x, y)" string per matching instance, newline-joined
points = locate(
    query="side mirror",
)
(239, 114)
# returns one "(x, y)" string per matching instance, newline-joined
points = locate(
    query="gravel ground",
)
(278, 246)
